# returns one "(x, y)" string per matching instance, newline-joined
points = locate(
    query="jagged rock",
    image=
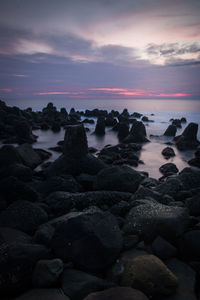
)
(100, 126)
(170, 131)
(123, 130)
(137, 133)
(188, 139)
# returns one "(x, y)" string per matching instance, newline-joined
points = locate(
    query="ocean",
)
(160, 111)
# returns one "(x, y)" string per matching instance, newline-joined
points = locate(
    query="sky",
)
(99, 49)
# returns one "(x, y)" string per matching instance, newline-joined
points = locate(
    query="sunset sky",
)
(99, 49)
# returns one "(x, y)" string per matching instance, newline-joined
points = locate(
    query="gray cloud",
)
(172, 49)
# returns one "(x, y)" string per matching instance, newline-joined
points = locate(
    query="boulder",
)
(91, 240)
(188, 139)
(171, 186)
(150, 275)
(190, 245)
(123, 130)
(168, 169)
(8, 156)
(10, 236)
(170, 131)
(163, 249)
(24, 216)
(47, 272)
(16, 265)
(23, 132)
(78, 284)
(118, 179)
(186, 281)
(29, 156)
(19, 171)
(117, 293)
(189, 178)
(168, 152)
(150, 219)
(193, 205)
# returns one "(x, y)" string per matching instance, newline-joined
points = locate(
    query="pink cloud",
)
(59, 93)
(6, 90)
(108, 89)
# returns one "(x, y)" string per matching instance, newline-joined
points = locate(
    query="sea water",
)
(159, 111)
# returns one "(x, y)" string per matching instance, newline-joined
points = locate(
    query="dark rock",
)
(118, 179)
(44, 126)
(93, 241)
(120, 209)
(117, 293)
(29, 156)
(65, 183)
(168, 169)
(24, 216)
(150, 275)
(43, 294)
(130, 241)
(100, 126)
(19, 190)
(168, 152)
(195, 162)
(86, 181)
(170, 131)
(193, 204)
(151, 219)
(47, 272)
(186, 281)
(190, 245)
(9, 156)
(16, 265)
(76, 159)
(23, 132)
(10, 235)
(19, 171)
(123, 130)
(188, 139)
(189, 178)
(171, 186)
(55, 127)
(44, 234)
(43, 154)
(177, 123)
(136, 115)
(137, 133)
(61, 202)
(77, 284)
(163, 249)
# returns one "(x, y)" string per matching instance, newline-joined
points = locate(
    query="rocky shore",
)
(89, 226)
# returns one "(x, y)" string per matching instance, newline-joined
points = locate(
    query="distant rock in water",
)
(170, 131)
(76, 158)
(188, 139)
(137, 133)
(100, 126)
(168, 152)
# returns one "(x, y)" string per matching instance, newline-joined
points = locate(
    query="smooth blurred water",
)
(163, 111)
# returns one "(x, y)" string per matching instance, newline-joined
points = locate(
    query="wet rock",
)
(43, 234)
(100, 126)
(44, 294)
(137, 133)
(78, 284)
(171, 186)
(8, 156)
(168, 152)
(163, 249)
(170, 131)
(47, 272)
(19, 171)
(24, 216)
(168, 169)
(118, 179)
(55, 127)
(23, 132)
(151, 219)
(188, 139)
(10, 235)
(44, 126)
(86, 181)
(118, 293)
(149, 274)
(92, 241)
(130, 241)
(189, 178)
